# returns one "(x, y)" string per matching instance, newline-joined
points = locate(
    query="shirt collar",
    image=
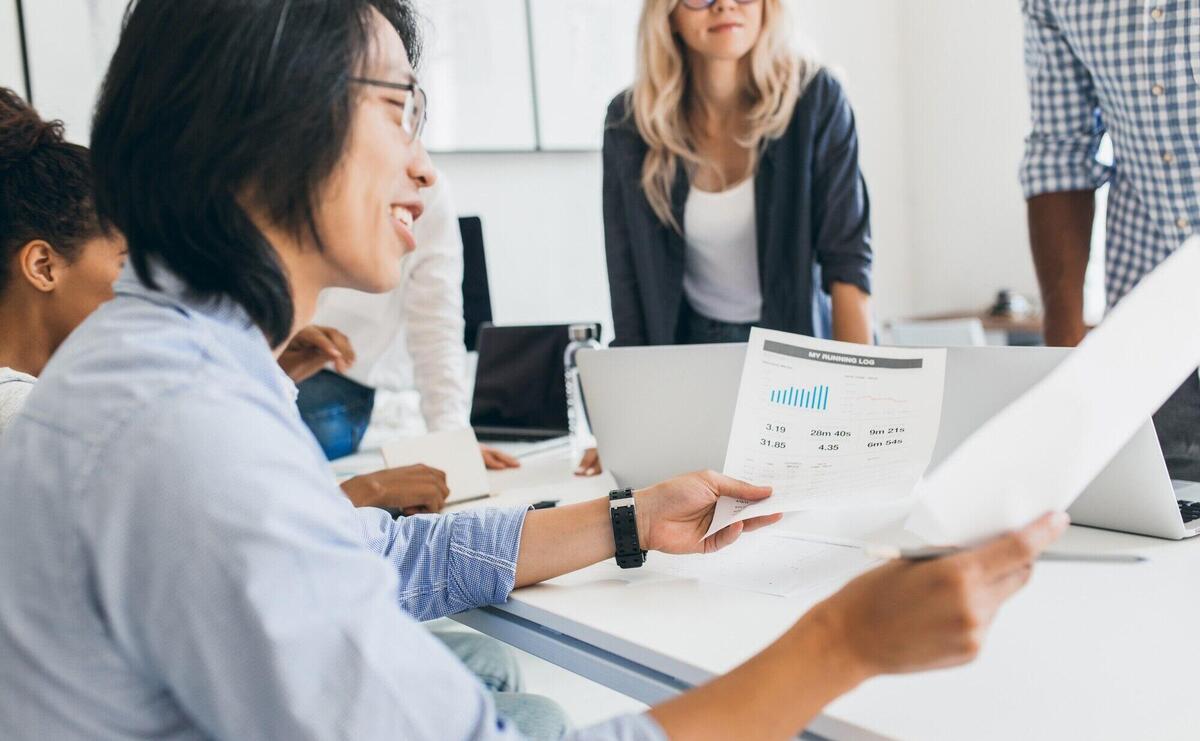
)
(225, 319)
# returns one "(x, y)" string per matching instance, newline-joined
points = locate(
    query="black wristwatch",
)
(624, 523)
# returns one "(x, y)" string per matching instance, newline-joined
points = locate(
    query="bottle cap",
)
(581, 332)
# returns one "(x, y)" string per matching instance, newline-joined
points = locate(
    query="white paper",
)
(831, 425)
(1044, 449)
(455, 453)
(764, 563)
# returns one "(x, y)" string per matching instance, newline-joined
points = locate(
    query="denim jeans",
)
(337, 410)
(1178, 427)
(697, 329)
(496, 666)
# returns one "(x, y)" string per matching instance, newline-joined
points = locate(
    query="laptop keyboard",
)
(1189, 510)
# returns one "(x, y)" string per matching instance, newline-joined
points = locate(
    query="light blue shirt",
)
(177, 562)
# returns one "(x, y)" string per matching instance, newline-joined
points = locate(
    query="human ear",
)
(41, 265)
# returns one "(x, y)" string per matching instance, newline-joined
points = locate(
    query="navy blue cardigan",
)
(812, 213)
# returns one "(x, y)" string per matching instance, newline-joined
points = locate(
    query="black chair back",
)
(477, 296)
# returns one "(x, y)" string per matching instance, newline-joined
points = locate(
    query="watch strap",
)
(624, 524)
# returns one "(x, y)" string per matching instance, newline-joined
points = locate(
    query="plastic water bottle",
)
(583, 336)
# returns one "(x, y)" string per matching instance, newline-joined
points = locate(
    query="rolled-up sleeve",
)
(1066, 125)
(448, 563)
(841, 206)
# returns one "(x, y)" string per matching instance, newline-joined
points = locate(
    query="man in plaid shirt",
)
(1131, 69)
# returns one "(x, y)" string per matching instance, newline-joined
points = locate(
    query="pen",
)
(930, 552)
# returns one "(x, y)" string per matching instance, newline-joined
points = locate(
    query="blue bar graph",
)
(816, 397)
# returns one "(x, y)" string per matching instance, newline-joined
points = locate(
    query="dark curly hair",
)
(45, 185)
(207, 99)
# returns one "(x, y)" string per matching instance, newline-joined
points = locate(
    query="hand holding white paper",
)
(1043, 450)
(830, 425)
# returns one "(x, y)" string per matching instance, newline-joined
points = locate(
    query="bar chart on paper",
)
(816, 397)
(830, 425)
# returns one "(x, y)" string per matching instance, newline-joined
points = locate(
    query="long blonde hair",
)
(659, 96)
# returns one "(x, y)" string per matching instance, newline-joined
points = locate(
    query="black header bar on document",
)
(820, 356)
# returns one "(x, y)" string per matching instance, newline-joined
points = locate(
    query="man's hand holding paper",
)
(831, 425)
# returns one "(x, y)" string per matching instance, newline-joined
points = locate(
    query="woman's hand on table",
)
(312, 349)
(589, 465)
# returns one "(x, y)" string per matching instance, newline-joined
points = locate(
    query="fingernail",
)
(1060, 519)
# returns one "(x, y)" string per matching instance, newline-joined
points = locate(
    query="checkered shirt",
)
(1129, 68)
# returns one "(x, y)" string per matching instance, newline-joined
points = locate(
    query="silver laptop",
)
(658, 412)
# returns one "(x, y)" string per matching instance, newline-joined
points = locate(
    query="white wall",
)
(542, 230)
(860, 43)
(70, 43)
(967, 117)
(11, 70)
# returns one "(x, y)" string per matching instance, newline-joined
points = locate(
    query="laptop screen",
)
(519, 381)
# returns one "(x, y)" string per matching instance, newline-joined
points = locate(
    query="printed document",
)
(831, 425)
(767, 563)
(1043, 450)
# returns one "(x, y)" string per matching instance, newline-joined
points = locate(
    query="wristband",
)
(624, 523)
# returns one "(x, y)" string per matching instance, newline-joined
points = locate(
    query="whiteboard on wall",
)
(70, 44)
(12, 69)
(478, 67)
(475, 69)
(583, 55)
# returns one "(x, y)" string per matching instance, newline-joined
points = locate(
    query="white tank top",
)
(720, 276)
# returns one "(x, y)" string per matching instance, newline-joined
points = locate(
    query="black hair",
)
(45, 185)
(209, 100)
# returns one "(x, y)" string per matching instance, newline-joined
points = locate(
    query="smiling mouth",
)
(402, 215)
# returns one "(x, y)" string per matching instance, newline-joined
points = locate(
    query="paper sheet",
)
(831, 425)
(455, 453)
(1044, 449)
(761, 562)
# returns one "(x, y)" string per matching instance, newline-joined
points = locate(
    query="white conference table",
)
(1095, 651)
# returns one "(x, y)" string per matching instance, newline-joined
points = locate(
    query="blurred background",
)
(518, 91)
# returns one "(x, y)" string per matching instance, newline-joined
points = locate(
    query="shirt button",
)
(1157, 14)
(1181, 222)
(1168, 157)
(1158, 90)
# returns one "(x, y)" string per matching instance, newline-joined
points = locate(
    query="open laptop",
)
(658, 412)
(520, 393)
(1134, 493)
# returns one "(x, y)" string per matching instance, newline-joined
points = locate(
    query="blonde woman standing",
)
(732, 192)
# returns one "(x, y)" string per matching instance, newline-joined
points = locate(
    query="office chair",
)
(477, 296)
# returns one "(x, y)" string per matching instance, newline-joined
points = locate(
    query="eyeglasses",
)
(706, 4)
(412, 120)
